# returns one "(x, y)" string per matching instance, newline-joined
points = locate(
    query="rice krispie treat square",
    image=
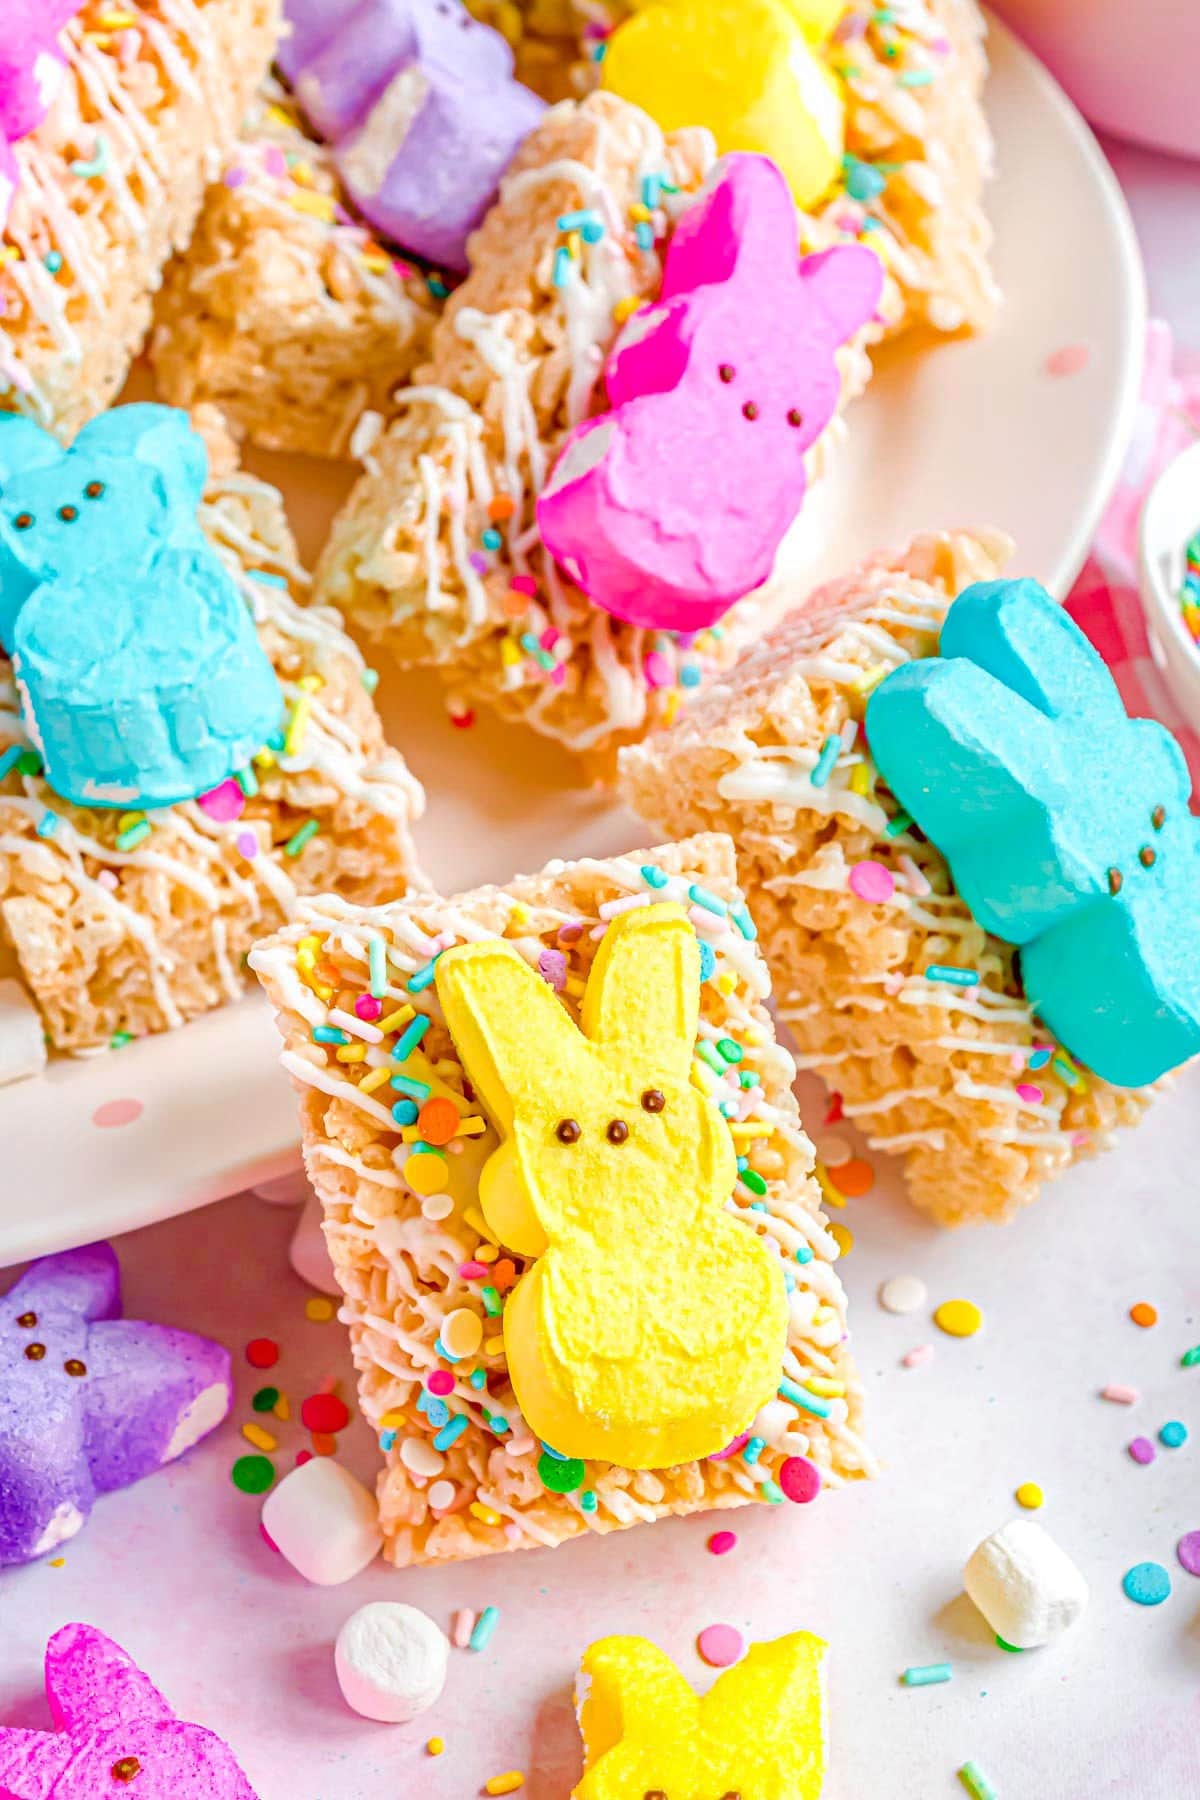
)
(110, 183)
(121, 924)
(860, 922)
(396, 1142)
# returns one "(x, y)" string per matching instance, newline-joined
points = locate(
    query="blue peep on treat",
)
(142, 680)
(1065, 823)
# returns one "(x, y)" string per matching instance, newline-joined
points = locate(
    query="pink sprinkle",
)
(275, 162)
(1031, 1095)
(730, 1449)
(872, 882)
(461, 1627)
(1142, 1451)
(303, 1456)
(915, 879)
(108, 880)
(800, 1480)
(1069, 360)
(1080, 1140)
(223, 803)
(1188, 1552)
(234, 177)
(473, 1271)
(368, 1007)
(523, 584)
(549, 638)
(1124, 1396)
(720, 1645)
(558, 675)
(552, 966)
(570, 934)
(722, 1542)
(247, 843)
(116, 1112)
(440, 1382)
(917, 1358)
(657, 670)
(851, 25)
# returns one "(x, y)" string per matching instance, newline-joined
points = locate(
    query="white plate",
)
(968, 433)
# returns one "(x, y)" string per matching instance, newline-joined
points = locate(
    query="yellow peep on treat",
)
(758, 1734)
(652, 1326)
(745, 69)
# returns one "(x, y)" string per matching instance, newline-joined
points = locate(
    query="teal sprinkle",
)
(405, 1112)
(299, 839)
(419, 1147)
(588, 1502)
(754, 1449)
(831, 749)
(871, 225)
(789, 1390)
(1039, 1058)
(423, 977)
(48, 824)
(754, 1181)
(370, 679)
(863, 183)
(377, 965)
(915, 78)
(53, 262)
(743, 1162)
(496, 1423)
(643, 235)
(952, 976)
(478, 1379)
(485, 1625)
(553, 1454)
(653, 876)
(436, 286)
(1066, 1072)
(745, 924)
(134, 835)
(9, 760)
(804, 1255)
(387, 1439)
(451, 1432)
(600, 52)
(1173, 1434)
(416, 1090)
(562, 267)
(728, 1109)
(789, 1282)
(268, 578)
(700, 896)
(491, 539)
(1190, 1358)
(690, 675)
(119, 1039)
(411, 1036)
(275, 742)
(247, 780)
(88, 170)
(899, 822)
(771, 1492)
(730, 1049)
(747, 1078)
(492, 1303)
(329, 1034)
(927, 1675)
(651, 190)
(758, 1206)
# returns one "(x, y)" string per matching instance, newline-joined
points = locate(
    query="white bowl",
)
(1170, 516)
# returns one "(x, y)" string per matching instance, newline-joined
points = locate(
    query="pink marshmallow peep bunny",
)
(115, 1735)
(31, 70)
(671, 506)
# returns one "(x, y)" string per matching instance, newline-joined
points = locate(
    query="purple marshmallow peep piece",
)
(89, 1401)
(31, 64)
(114, 1734)
(419, 100)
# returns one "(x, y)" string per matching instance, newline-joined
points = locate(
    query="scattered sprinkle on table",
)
(1029, 1495)
(843, 1237)
(1188, 1552)
(722, 1542)
(435, 1746)
(1173, 1434)
(958, 1318)
(903, 1294)
(262, 1353)
(1071, 359)
(507, 1783)
(1147, 1584)
(319, 1309)
(720, 1645)
(976, 1782)
(918, 1357)
(1121, 1395)
(252, 1474)
(1190, 1358)
(1142, 1450)
(854, 1178)
(484, 1628)
(927, 1675)
(115, 1113)
(1143, 1314)
(324, 1413)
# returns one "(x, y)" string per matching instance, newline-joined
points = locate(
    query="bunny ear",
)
(632, 1691)
(643, 992)
(24, 445)
(161, 436)
(845, 285)
(90, 1682)
(1019, 634)
(768, 1711)
(743, 222)
(85, 1281)
(31, 1763)
(516, 1039)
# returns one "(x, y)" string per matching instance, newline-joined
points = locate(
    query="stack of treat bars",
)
(589, 293)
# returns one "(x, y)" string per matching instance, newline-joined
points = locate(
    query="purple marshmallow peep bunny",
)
(419, 100)
(31, 71)
(115, 1734)
(89, 1401)
(671, 506)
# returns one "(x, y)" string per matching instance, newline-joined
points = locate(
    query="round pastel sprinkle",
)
(1188, 1552)
(853, 1179)
(424, 1173)
(1173, 1434)
(903, 1294)
(265, 1400)
(720, 1645)
(262, 1353)
(324, 1413)
(419, 1455)
(1031, 1095)
(722, 1542)
(437, 1120)
(1141, 1450)
(320, 1309)
(114, 1113)
(562, 1475)
(441, 1495)
(252, 1474)
(434, 1746)
(437, 1206)
(1147, 1584)
(872, 882)
(1143, 1314)
(1118, 1392)
(958, 1318)
(917, 1358)
(462, 1331)
(833, 1151)
(1029, 1494)
(247, 844)
(440, 1382)
(800, 1480)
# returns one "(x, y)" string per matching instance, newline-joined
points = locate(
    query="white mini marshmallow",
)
(390, 1661)
(22, 1040)
(323, 1521)
(309, 1253)
(1027, 1589)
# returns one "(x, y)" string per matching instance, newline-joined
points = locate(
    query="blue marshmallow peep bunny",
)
(141, 677)
(1065, 823)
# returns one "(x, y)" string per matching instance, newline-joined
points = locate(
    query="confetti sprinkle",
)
(1173, 1434)
(319, 1309)
(265, 1400)
(853, 1179)
(1190, 1358)
(115, 1113)
(508, 1783)
(722, 1542)
(1120, 1395)
(262, 1353)
(1144, 1314)
(976, 1782)
(252, 1474)
(561, 1474)
(484, 1628)
(435, 1746)
(958, 1318)
(1029, 1495)
(873, 882)
(916, 1359)
(1142, 1450)
(720, 1645)
(927, 1675)
(1147, 1584)
(903, 1294)
(1188, 1552)
(324, 1413)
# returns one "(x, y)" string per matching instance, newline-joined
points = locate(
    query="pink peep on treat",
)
(672, 506)
(31, 71)
(115, 1734)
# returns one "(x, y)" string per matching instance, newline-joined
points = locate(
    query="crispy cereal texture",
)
(405, 1242)
(138, 940)
(111, 183)
(283, 311)
(936, 1073)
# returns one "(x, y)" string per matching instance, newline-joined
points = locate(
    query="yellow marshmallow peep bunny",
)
(652, 1325)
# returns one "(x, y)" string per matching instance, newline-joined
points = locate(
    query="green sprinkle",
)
(1012, 1649)
(771, 1492)
(370, 679)
(709, 1054)
(492, 1303)
(954, 977)
(485, 1625)
(897, 823)
(1066, 1072)
(588, 1501)
(29, 763)
(247, 780)
(927, 1675)
(416, 1090)
(976, 1782)
(265, 1400)
(730, 1050)
(915, 78)
(790, 1390)
(753, 1180)
(562, 1475)
(1190, 1358)
(252, 1474)
(119, 1039)
(299, 839)
(377, 963)
(134, 835)
(831, 749)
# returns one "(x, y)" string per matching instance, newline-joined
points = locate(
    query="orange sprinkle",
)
(1144, 1314)
(323, 1444)
(504, 1273)
(501, 506)
(515, 605)
(437, 1120)
(853, 1178)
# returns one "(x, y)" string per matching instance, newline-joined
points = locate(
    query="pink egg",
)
(800, 1480)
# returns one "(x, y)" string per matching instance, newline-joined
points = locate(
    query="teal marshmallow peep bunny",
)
(141, 677)
(1065, 823)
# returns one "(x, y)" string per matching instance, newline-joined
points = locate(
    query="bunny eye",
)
(27, 1321)
(750, 410)
(94, 489)
(655, 1794)
(1158, 817)
(126, 1768)
(795, 417)
(1147, 857)
(568, 1131)
(73, 1366)
(35, 1352)
(727, 372)
(617, 1132)
(23, 521)
(653, 1100)
(1116, 881)
(68, 514)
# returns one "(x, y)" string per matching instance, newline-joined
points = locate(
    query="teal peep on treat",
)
(142, 680)
(1065, 823)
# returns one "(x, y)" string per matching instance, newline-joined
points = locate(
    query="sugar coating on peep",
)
(1027, 1589)
(391, 1661)
(22, 1040)
(323, 1521)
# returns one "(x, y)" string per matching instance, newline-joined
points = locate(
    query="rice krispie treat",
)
(286, 311)
(482, 1079)
(109, 182)
(120, 918)
(895, 994)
